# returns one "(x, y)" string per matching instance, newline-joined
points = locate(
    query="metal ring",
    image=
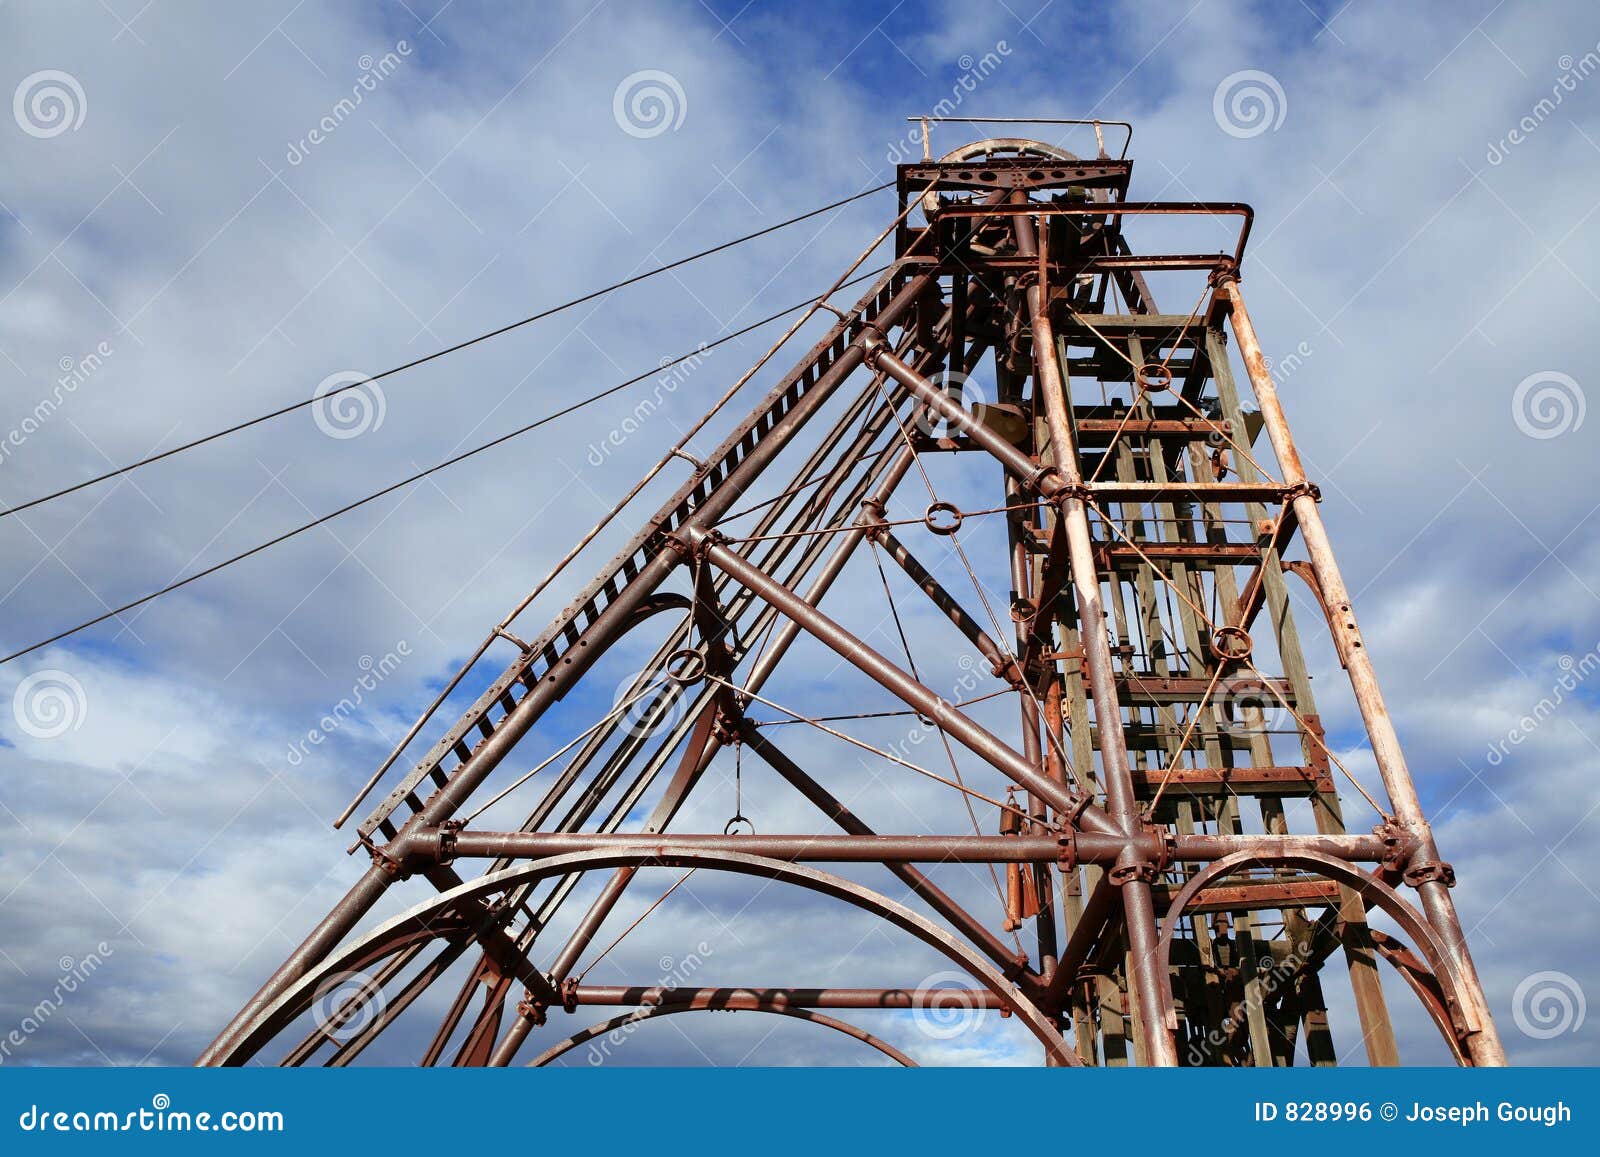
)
(727, 828)
(1231, 644)
(685, 667)
(1153, 377)
(930, 518)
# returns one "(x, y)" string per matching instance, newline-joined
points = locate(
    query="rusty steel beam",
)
(627, 1021)
(810, 849)
(1429, 873)
(1143, 545)
(1133, 872)
(779, 996)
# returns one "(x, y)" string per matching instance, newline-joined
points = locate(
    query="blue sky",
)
(1425, 242)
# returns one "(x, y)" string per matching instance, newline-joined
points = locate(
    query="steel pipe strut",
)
(1484, 1045)
(1150, 983)
(607, 627)
(781, 996)
(1000, 664)
(925, 889)
(808, 849)
(984, 744)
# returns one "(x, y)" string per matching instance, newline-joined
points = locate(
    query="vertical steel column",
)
(1138, 904)
(1484, 1045)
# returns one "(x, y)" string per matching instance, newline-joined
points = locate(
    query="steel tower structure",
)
(1159, 738)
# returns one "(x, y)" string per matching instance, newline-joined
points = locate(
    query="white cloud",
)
(486, 178)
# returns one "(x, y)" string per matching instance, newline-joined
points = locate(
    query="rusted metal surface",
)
(627, 1021)
(1137, 812)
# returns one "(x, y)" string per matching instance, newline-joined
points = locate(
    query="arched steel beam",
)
(1425, 984)
(1373, 891)
(639, 1015)
(403, 928)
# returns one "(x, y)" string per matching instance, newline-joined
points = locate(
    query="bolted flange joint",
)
(701, 543)
(1400, 844)
(390, 864)
(1062, 492)
(448, 830)
(1077, 803)
(1067, 856)
(1142, 871)
(1145, 857)
(1422, 872)
(533, 1009)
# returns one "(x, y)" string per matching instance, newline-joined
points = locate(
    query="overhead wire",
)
(119, 471)
(411, 478)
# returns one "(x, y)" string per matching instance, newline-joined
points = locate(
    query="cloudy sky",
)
(180, 250)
